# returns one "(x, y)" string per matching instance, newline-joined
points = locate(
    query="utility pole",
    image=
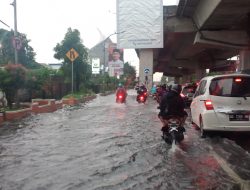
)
(15, 30)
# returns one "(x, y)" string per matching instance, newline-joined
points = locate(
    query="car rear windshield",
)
(230, 87)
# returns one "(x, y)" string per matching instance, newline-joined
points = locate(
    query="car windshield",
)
(230, 87)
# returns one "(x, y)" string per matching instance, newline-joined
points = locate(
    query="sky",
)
(45, 22)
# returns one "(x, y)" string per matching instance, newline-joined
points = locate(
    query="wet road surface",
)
(102, 145)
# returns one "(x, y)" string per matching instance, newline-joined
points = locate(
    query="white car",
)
(222, 103)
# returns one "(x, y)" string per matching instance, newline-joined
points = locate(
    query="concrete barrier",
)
(73, 101)
(12, 115)
(70, 101)
(41, 106)
(59, 104)
(88, 98)
(1, 117)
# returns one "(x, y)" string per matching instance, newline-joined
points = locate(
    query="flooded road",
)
(107, 146)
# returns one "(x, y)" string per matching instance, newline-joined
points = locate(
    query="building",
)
(100, 51)
(55, 66)
(103, 51)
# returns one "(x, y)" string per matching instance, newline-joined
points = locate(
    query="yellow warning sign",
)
(72, 54)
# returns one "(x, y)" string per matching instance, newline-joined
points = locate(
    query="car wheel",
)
(194, 124)
(202, 131)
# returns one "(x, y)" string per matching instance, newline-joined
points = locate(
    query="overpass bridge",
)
(200, 35)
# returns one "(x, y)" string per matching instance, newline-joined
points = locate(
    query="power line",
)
(4, 23)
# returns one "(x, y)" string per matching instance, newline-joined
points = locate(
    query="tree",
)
(38, 80)
(26, 55)
(12, 78)
(129, 71)
(129, 74)
(163, 79)
(82, 70)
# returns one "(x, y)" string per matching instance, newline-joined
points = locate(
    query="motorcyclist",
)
(172, 104)
(121, 90)
(161, 92)
(142, 89)
(153, 90)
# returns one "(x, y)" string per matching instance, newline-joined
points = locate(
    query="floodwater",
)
(102, 145)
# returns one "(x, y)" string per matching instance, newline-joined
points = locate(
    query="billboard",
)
(139, 24)
(116, 63)
(95, 66)
(113, 47)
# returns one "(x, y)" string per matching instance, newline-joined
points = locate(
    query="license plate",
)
(238, 117)
(173, 125)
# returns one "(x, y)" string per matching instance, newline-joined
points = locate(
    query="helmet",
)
(177, 88)
(120, 84)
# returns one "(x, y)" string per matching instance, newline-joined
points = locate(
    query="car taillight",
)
(209, 105)
(238, 80)
(145, 93)
(182, 95)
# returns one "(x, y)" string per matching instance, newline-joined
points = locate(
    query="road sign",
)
(95, 66)
(17, 43)
(146, 70)
(72, 54)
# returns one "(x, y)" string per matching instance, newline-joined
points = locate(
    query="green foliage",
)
(26, 55)
(37, 78)
(6, 51)
(129, 71)
(129, 75)
(215, 73)
(102, 83)
(12, 78)
(163, 79)
(82, 70)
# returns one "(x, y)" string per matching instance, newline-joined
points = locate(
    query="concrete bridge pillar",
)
(146, 65)
(244, 60)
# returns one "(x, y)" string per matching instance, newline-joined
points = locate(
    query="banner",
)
(116, 63)
(139, 24)
(95, 66)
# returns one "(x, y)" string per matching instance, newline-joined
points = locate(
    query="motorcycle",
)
(120, 98)
(141, 97)
(154, 96)
(173, 133)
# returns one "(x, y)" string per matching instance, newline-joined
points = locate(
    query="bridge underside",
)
(201, 35)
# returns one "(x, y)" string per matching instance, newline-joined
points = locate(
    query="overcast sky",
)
(45, 22)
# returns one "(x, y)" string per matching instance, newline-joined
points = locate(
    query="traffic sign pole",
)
(72, 55)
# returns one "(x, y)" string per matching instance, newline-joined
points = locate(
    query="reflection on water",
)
(103, 145)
